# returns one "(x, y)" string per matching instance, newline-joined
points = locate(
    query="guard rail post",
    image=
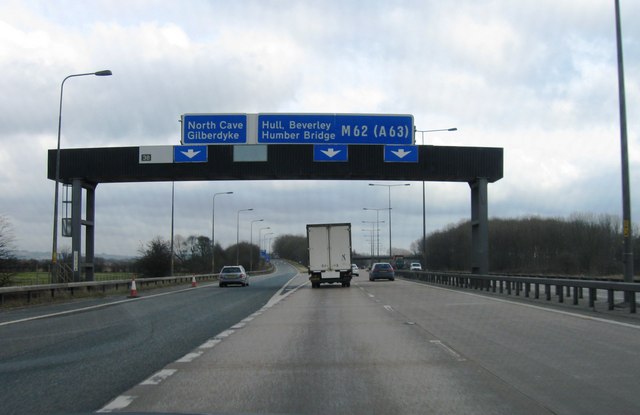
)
(610, 298)
(592, 297)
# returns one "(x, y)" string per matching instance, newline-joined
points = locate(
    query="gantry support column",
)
(479, 227)
(78, 265)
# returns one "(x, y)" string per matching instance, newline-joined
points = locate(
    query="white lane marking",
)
(159, 377)
(190, 357)
(279, 296)
(388, 308)
(246, 320)
(224, 334)
(371, 295)
(210, 344)
(449, 350)
(95, 307)
(117, 404)
(551, 310)
(123, 401)
(238, 325)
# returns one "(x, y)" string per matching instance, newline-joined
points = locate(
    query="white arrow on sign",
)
(190, 153)
(330, 152)
(401, 153)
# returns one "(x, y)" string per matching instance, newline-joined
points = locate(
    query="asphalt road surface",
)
(400, 347)
(79, 360)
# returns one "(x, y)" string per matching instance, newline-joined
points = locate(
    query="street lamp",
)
(424, 203)
(434, 131)
(370, 236)
(389, 186)
(374, 239)
(269, 243)
(54, 250)
(260, 236)
(213, 222)
(627, 256)
(377, 226)
(266, 247)
(238, 234)
(251, 244)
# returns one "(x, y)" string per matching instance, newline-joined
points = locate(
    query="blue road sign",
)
(327, 152)
(401, 154)
(214, 128)
(335, 129)
(190, 154)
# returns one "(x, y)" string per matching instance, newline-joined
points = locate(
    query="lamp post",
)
(371, 233)
(260, 236)
(424, 203)
(251, 243)
(370, 236)
(269, 243)
(213, 224)
(238, 234)
(54, 250)
(374, 239)
(266, 247)
(389, 186)
(626, 198)
(173, 196)
(377, 226)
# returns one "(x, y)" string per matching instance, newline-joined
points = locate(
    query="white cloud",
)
(537, 78)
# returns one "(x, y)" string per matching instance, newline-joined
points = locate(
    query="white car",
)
(233, 274)
(355, 270)
(415, 266)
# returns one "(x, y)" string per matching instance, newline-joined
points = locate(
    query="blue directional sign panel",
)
(327, 152)
(214, 128)
(401, 154)
(334, 129)
(190, 154)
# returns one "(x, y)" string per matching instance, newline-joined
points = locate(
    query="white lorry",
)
(329, 253)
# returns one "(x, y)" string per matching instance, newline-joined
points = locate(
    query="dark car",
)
(382, 270)
(233, 274)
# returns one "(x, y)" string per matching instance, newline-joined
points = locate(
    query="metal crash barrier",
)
(532, 287)
(30, 292)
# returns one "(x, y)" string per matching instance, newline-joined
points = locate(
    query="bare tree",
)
(155, 259)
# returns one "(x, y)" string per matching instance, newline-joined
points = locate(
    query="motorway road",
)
(401, 347)
(77, 362)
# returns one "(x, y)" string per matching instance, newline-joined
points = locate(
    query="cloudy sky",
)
(535, 77)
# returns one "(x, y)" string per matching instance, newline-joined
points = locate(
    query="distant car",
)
(415, 266)
(355, 270)
(382, 270)
(233, 274)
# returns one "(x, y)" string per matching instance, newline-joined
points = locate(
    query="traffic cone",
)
(193, 282)
(134, 291)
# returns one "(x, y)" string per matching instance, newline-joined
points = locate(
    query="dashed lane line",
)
(123, 401)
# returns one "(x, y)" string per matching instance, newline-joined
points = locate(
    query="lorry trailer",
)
(329, 254)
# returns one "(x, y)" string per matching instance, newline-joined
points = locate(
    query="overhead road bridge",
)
(85, 168)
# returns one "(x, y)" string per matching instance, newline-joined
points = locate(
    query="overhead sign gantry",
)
(281, 147)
